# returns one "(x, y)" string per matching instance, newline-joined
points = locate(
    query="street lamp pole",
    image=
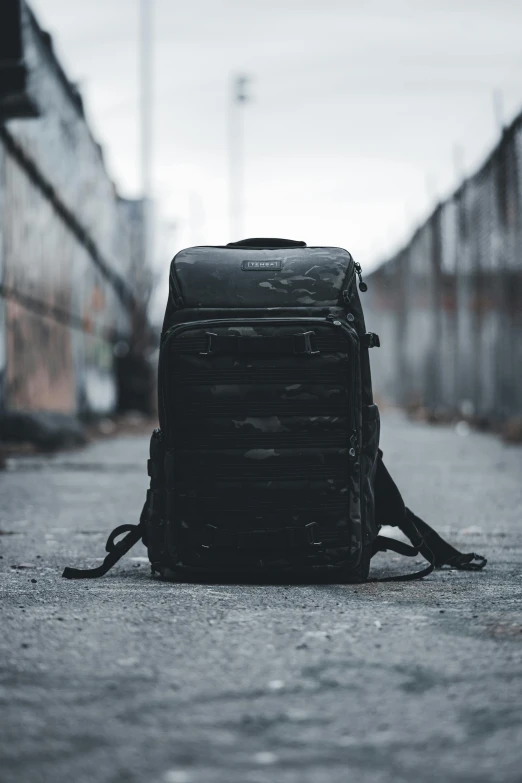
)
(236, 173)
(145, 121)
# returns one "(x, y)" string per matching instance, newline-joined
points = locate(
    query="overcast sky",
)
(356, 110)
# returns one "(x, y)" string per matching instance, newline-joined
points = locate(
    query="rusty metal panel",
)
(71, 267)
(448, 357)
(63, 313)
(3, 336)
(39, 364)
(454, 299)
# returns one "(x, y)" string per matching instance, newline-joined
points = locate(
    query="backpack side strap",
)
(116, 550)
(431, 542)
(383, 544)
(391, 510)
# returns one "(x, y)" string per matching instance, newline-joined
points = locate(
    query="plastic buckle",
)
(210, 335)
(372, 340)
(308, 351)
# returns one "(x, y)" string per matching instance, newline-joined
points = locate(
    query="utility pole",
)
(236, 177)
(145, 121)
(498, 109)
(458, 163)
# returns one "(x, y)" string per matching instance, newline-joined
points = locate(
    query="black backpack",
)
(267, 461)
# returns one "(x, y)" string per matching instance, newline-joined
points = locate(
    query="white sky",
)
(356, 109)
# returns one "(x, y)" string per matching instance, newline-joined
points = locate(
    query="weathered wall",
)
(448, 307)
(70, 272)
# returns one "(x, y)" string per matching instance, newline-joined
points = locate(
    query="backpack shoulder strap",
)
(116, 550)
(390, 510)
(383, 544)
(431, 542)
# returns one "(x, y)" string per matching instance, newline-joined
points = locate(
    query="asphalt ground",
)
(130, 679)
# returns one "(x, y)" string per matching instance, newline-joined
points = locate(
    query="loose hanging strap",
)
(390, 510)
(382, 544)
(443, 553)
(116, 550)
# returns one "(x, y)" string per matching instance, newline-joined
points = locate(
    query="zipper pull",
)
(362, 285)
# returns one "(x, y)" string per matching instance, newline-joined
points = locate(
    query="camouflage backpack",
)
(266, 463)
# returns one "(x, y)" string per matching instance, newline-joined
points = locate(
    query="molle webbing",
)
(259, 440)
(303, 344)
(240, 376)
(278, 538)
(235, 471)
(268, 408)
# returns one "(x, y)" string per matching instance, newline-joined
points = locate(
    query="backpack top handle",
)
(267, 242)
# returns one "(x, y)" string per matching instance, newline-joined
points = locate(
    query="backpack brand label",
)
(261, 266)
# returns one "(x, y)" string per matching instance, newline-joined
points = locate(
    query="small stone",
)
(265, 757)
(177, 776)
(34, 581)
(297, 715)
(276, 685)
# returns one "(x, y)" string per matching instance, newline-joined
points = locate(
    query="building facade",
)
(448, 306)
(73, 285)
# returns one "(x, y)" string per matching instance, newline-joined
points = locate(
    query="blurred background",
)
(132, 128)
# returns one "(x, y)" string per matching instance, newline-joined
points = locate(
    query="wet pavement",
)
(130, 679)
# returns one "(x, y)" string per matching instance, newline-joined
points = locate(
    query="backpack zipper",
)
(179, 301)
(362, 285)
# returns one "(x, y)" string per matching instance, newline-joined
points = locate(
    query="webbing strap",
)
(265, 408)
(305, 343)
(335, 376)
(382, 544)
(115, 549)
(211, 537)
(275, 472)
(276, 503)
(260, 440)
(390, 510)
(442, 552)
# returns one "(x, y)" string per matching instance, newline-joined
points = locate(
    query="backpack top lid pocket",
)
(286, 274)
